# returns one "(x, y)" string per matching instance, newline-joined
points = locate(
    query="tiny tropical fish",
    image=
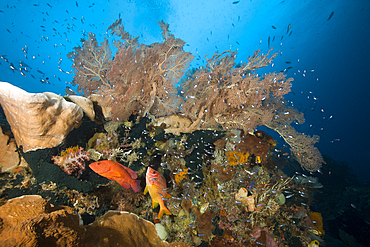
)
(157, 187)
(331, 15)
(117, 172)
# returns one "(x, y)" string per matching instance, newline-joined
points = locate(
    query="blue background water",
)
(330, 58)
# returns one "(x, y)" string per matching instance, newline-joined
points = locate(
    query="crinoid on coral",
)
(72, 160)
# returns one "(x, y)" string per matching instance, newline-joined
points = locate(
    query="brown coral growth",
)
(220, 93)
(144, 77)
(91, 62)
(204, 223)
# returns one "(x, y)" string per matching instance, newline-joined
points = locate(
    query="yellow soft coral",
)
(69, 150)
(181, 175)
(237, 158)
(317, 223)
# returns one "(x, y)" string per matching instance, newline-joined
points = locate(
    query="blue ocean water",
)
(324, 42)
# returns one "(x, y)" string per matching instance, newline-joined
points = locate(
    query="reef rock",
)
(32, 221)
(9, 157)
(123, 229)
(38, 120)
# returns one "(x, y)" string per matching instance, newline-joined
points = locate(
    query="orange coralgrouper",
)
(157, 187)
(117, 172)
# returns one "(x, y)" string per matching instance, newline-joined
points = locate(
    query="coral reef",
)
(38, 120)
(220, 182)
(219, 94)
(302, 146)
(123, 229)
(72, 160)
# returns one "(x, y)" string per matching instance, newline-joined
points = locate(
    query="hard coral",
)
(72, 160)
(30, 220)
(9, 157)
(38, 120)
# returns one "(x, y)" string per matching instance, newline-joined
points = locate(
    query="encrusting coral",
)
(38, 120)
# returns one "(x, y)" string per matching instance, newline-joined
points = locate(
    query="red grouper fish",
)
(117, 172)
(157, 187)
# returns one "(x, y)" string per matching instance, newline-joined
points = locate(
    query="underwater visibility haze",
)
(246, 121)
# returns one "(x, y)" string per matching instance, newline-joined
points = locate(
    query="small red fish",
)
(157, 187)
(117, 172)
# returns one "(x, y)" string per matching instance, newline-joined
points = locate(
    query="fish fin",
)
(114, 174)
(126, 186)
(123, 184)
(162, 211)
(154, 204)
(135, 185)
(146, 189)
(133, 174)
(168, 196)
